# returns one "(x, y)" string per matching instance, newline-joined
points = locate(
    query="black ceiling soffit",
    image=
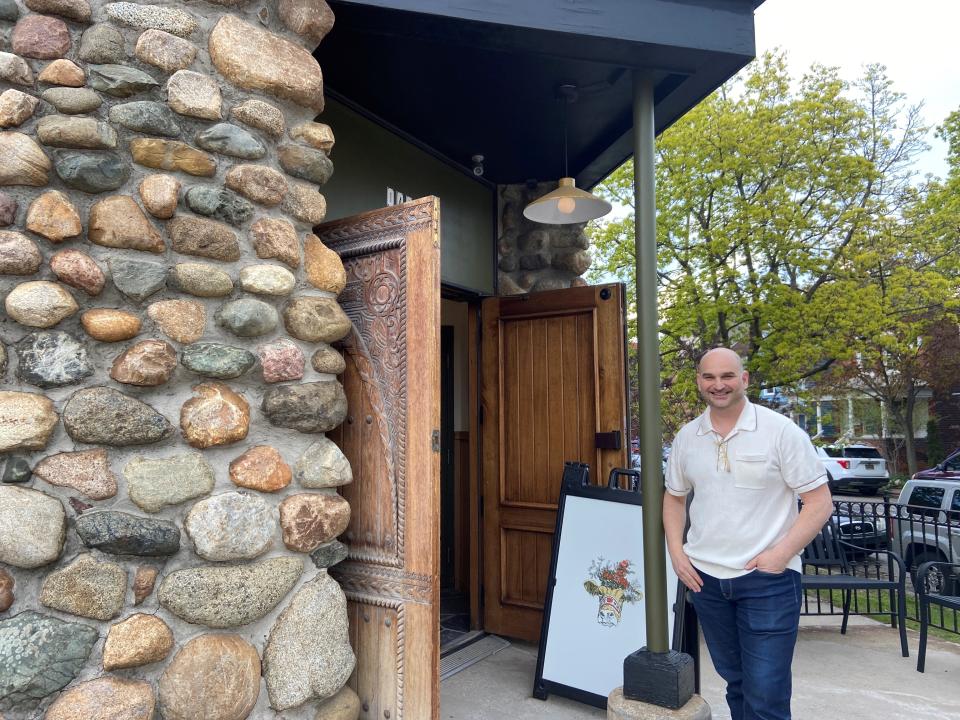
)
(481, 76)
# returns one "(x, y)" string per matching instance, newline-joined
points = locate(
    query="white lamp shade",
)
(566, 205)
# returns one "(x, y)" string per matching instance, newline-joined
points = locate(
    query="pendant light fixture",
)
(567, 204)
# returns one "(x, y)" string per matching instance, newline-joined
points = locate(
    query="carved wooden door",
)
(392, 383)
(552, 390)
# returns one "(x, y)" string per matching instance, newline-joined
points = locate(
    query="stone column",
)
(532, 256)
(167, 322)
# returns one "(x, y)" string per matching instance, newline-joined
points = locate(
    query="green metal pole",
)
(648, 348)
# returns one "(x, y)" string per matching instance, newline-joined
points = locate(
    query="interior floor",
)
(454, 620)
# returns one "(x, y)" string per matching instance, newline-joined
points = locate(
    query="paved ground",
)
(859, 676)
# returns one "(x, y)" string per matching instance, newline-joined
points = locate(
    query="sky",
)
(917, 41)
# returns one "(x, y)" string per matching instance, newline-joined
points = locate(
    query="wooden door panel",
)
(392, 384)
(552, 376)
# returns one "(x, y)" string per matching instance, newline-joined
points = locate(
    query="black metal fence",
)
(870, 530)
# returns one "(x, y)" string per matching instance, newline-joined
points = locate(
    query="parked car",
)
(927, 526)
(854, 468)
(949, 468)
(860, 527)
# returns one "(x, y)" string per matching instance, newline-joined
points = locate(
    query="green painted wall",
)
(369, 159)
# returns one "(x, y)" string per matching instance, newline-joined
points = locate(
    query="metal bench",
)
(826, 552)
(932, 585)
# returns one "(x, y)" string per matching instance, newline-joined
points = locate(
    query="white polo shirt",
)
(745, 505)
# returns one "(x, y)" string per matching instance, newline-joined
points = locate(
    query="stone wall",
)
(532, 256)
(168, 502)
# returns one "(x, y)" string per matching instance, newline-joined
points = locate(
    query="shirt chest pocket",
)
(750, 470)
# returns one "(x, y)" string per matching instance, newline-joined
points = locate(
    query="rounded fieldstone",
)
(16, 108)
(247, 317)
(305, 203)
(120, 533)
(105, 698)
(305, 163)
(33, 527)
(550, 283)
(308, 519)
(118, 222)
(86, 587)
(78, 10)
(53, 216)
(260, 468)
(165, 50)
(16, 470)
(137, 279)
(194, 94)
(24, 162)
(14, 69)
(310, 19)
(39, 304)
(329, 554)
(180, 320)
(533, 262)
(72, 101)
(322, 465)
(255, 59)
(323, 266)
(40, 36)
(52, 359)
(316, 319)
(259, 183)
(102, 43)
(213, 677)
(203, 238)
(147, 364)
(104, 416)
(345, 705)
(230, 526)
(159, 194)
(108, 325)
(91, 172)
(217, 416)
(9, 10)
(222, 597)
(145, 17)
(217, 361)
(172, 155)
(40, 654)
(86, 471)
(155, 483)
(119, 80)
(576, 261)
(139, 640)
(327, 360)
(316, 135)
(79, 270)
(201, 280)
(19, 255)
(267, 280)
(276, 238)
(63, 72)
(310, 407)
(26, 421)
(143, 581)
(144, 116)
(8, 209)
(281, 360)
(6, 590)
(219, 203)
(228, 139)
(308, 655)
(261, 115)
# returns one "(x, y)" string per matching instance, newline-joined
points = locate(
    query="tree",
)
(773, 197)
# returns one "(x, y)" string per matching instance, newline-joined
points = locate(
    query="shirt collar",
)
(747, 420)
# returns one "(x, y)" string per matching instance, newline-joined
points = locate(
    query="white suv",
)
(854, 468)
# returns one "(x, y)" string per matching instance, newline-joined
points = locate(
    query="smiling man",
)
(746, 465)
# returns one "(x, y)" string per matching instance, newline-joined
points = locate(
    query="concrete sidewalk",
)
(857, 676)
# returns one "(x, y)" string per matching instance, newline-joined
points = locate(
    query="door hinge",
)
(481, 506)
(481, 415)
(435, 441)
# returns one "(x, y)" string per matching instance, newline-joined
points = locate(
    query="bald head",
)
(720, 355)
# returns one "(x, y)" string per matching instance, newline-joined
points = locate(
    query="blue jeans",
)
(750, 625)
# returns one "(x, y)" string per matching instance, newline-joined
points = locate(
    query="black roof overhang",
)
(467, 77)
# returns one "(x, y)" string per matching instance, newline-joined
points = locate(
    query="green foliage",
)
(935, 451)
(789, 229)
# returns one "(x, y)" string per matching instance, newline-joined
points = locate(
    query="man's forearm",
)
(816, 510)
(674, 521)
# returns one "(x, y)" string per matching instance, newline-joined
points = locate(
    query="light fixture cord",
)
(566, 105)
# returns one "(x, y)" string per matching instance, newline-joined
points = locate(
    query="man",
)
(746, 465)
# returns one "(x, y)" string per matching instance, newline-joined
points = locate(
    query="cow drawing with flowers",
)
(613, 586)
